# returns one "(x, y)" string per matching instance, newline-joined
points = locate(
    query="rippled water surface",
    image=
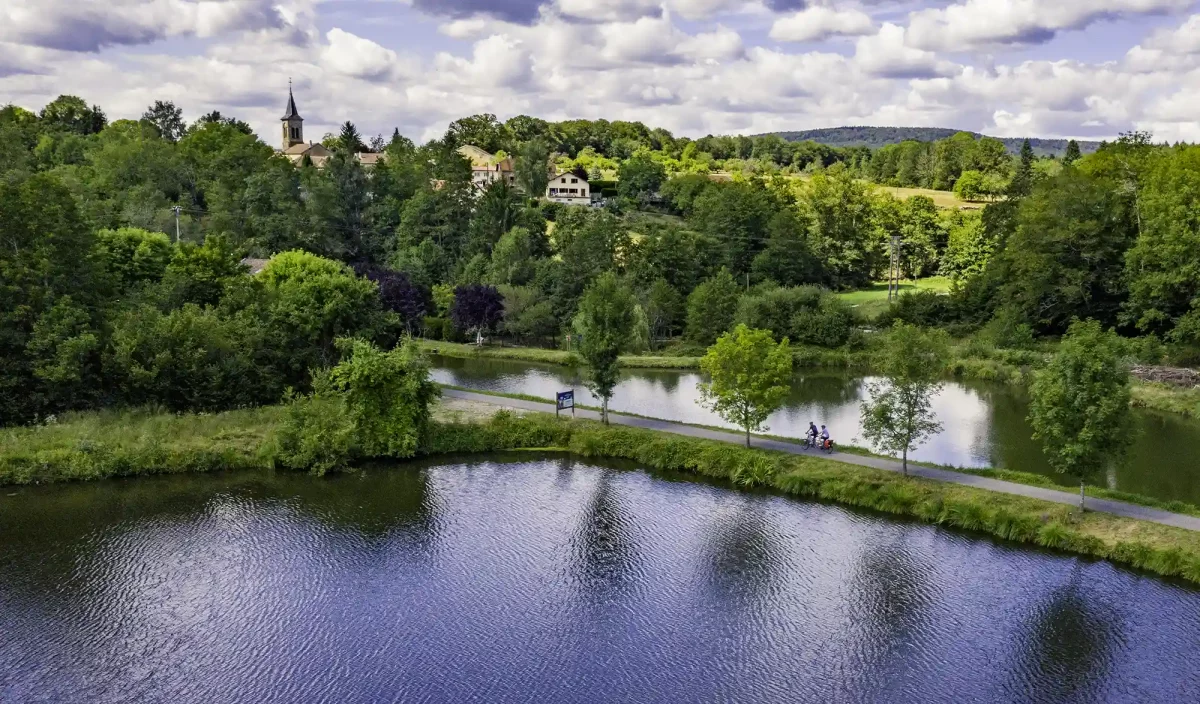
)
(983, 424)
(547, 580)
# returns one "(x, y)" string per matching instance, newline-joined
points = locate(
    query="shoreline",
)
(115, 444)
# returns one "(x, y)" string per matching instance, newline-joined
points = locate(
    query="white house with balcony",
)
(569, 188)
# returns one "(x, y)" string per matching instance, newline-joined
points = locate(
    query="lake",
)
(538, 578)
(984, 423)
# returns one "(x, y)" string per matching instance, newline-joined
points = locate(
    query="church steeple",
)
(293, 124)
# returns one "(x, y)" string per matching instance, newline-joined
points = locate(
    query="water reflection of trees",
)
(826, 391)
(744, 552)
(375, 503)
(1066, 647)
(892, 595)
(604, 557)
(382, 503)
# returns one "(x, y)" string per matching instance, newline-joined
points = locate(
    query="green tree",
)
(749, 377)
(1067, 256)
(664, 308)
(1163, 267)
(483, 131)
(1079, 405)
(640, 177)
(924, 237)
(313, 302)
(967, 248)
(735, 215)
(711, 308)
(843, 236)
(1072, 154)
(71, 113)
(132, 256)
(899, 415)
(372, 404)
(200, 274)
(46, 254)
(167, 119)
(514, 258)
(533, 167)
(187, 359)
(788, 259)
(604, 325)
(1022, 181)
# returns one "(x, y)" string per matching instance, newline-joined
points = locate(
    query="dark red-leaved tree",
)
(477, 308)
(398, 294)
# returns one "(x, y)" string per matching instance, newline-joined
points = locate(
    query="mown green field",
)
(873, 301)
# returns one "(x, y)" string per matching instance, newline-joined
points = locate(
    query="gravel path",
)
(1117, 508)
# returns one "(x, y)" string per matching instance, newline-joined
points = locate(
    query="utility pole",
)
(177, 209)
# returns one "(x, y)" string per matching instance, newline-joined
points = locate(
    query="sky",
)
(1011, 68)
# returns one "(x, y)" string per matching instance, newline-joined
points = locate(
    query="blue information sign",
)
(565, 399)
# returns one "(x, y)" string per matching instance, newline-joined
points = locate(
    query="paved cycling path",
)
(1117, 508)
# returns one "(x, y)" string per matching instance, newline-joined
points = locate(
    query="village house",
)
(569, 188)
(487, 169)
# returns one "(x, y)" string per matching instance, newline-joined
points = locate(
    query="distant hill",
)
(875, 137)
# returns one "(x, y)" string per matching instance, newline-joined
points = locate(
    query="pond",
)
(535, 578)
(983, 423)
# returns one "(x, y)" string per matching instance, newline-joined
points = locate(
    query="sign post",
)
(564, 400)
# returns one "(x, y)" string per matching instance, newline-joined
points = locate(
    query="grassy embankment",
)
(111, 444)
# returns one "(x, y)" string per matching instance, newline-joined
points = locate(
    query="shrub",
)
(372, 404)
(711, 308)
(804, 314)
(923, 308)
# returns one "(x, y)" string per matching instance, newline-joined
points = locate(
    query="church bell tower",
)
(293, 124)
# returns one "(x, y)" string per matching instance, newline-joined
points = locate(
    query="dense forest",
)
(875, 137)
(101, 303)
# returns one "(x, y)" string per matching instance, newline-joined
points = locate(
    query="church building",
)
(295, 148)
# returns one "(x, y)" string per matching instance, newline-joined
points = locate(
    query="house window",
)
(574, 180)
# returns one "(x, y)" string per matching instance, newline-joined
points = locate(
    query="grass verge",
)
(113, 444)
(1166, 398)
(559, 357)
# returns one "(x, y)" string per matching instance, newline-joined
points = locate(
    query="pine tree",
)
(1072, 155)
(1022, 182)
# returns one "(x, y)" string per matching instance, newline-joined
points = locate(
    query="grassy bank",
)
(127, 444)
(1170, 399)
(558, 357)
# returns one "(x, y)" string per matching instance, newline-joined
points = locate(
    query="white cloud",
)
(977, 24)
(609, 10)
(687, 65)
(354, 56)
(723, 44)
(90, 26)
(886, 54)
(820, 23)
(1184, 39)
(498, 61)
(631, 10)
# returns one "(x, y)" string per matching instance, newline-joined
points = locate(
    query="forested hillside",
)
(875, 137)
(100, 305)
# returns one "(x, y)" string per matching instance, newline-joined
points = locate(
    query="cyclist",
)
(825, 445)
(812, 434)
